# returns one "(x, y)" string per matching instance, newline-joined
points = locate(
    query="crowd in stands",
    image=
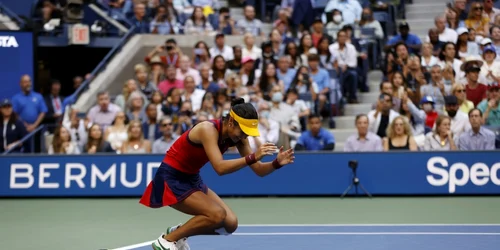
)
(438, 94)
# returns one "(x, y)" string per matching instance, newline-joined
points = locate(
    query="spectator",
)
(326, 59)
(491, 107)
(367, 21)
(227, 25)
(351, 10)
(122, 99)
(201, 54)
(116, 134)
(477, 21)
(250, 24)
(250, 50)
(267, 81)
(318, 32)
(186, 70)
(474, 90)
(12, 128)
(77, 127)
(321, 78)
(135, 107)
(185, 118)
(478, 138)
(461, 8)
(490, 71)
(429, 110)
(164, 22)
(296, 60)
(192, 94)
(398, 89)
(170, 81)
(173, 102)
(363, 140)
(347, 61)
(490, 10)
(269, 129)
(171, 57)
(415, 76)
(436, 89)
(96, 142)
(399, 136)
(428, 59)
(388, 88)
(336, 23)
(247, 73)
(317, 138)
(441, 139)
(413, 116)
(140, 20)
(465, 105)
(208, 107)
(465, 47)
(301, 108)
(162, 144)
(304, 84)
(150, 126)
(219, 70)
(382, 115)
(235, 63)
(207, 84)
(146, 86)
(453, 20)
(445, 34)
(412, 41)
(62, 144)
(221, 48)
(459, 120)
(285, 115)
(277, 45)
(54, 103)
(136, 144)
(435, 42)
(157, 100)
(198, 23)
(29, 105)
(449, 58)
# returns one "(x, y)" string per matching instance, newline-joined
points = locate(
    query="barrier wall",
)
(438, 173)
(16, 59)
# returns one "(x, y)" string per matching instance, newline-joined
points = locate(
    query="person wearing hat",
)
(459, 120)
(412, 41)
(474, 90)
(427, 103)
(12, 130)
(465, 47)
(490, 71)
(479, 137)
(491, 106)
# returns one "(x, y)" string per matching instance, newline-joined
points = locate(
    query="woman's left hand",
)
(285, 157)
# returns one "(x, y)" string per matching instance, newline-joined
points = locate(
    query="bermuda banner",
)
(420, 173)
(16, 59)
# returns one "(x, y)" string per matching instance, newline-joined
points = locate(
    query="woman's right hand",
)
(267, 148)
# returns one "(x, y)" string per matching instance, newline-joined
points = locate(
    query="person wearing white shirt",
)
(192, 94)
(490, 71)
(269, 130)
(351, 10)
(445, 34)
(347, 60)
(249, 49)
(459, 120)
(186, 70)
(221, 49)
(380, 118)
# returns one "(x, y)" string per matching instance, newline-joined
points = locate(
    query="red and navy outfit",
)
(178, 175)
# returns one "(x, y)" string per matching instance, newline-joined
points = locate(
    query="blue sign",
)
(16, 60)
(422, 173)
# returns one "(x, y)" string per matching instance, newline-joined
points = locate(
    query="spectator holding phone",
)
(227, 25)
(163, 23)
(172, 55)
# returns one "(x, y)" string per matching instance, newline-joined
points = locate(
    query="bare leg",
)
(208, 216)
(231, 221)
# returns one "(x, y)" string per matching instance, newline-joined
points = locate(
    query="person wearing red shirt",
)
(474, 90)
(431, 115)
(170, 81)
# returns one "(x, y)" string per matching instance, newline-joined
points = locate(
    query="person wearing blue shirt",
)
(412, 41)
(29, 105)
(316, 138)
(322, 79)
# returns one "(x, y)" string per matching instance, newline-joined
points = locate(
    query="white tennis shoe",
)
(163, 244)
(182, 243)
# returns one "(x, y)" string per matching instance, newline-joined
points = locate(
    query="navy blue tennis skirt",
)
(171, 186)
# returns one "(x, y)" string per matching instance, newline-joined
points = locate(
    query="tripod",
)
(355, 183)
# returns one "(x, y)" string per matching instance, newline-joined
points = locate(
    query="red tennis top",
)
(189, 157)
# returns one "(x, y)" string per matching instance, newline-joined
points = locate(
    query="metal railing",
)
(28, 138)
(12, 15)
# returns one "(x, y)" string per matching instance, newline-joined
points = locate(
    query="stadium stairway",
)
(421, 14)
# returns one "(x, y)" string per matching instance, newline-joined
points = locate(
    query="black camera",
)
(353, 164)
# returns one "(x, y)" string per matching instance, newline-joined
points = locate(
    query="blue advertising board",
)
(422, 173)
(16, 59)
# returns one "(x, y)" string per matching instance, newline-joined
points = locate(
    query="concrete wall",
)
(121, 67)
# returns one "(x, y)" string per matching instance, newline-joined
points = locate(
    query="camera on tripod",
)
(353, 164)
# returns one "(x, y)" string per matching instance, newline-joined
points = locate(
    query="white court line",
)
(131, 247)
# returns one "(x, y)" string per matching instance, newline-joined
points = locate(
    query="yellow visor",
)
(248, 126)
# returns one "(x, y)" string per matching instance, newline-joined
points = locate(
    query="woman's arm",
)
(413, 144)
(206, 134)
(385, 141)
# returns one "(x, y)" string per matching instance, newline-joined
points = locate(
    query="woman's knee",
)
(217, 215)
(231, 223)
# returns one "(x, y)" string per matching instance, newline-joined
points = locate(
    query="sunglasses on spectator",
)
(478, 8)
(460, 90)
(166, 124)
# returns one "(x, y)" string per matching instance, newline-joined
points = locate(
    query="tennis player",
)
(178, 184)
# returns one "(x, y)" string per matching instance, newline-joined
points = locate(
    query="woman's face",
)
(235, 132)
(472, 35)
(221, 99)
(275, 36)
(323, 45)
(427, 50)
(176, 96)
(270, 70)
(186, 106)
(250, 41)
(292, 49)
(397, 80)
(220, 63)
(307, 42)
(120, 118)
(402, 52)
(489, 56)
(450, 14)
(161, 10)
(95, 132)
(64, 134)
(209, 101)
(6, 111)
(444, 127)
(460, 93)
(198, 13)
(449, 51)
(463, 37)
(399, 128)
(156, 98)
(477, 10)
(137, 102)
(135, 130)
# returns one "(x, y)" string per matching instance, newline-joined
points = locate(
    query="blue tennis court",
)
(352, 237)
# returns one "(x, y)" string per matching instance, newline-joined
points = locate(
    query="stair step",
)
(370, 97)
(341, 135)
(344, 122)
(356, 109)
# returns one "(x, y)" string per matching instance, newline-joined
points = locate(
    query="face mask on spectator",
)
(265, 114)
(427, 107)
(277, 97)
(337, 18)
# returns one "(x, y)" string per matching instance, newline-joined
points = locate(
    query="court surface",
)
(352, 237)
(416, 223)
